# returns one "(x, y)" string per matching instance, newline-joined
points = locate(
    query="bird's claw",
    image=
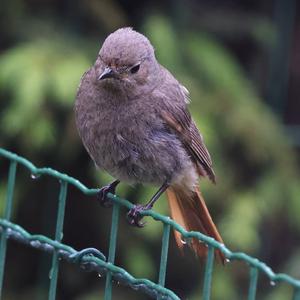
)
(102, 195)
(134, 216)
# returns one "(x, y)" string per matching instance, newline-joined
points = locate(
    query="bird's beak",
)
(107, 73)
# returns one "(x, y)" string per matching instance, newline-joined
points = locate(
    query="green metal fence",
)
(94, 260)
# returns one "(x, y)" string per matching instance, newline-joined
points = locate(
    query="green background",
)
(240, 62)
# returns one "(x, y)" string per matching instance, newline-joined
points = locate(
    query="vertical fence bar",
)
(7, 216)
(253, 283)
(112, 249)
(208, 273)
(58, 237)
(296, 295)
(164, 255)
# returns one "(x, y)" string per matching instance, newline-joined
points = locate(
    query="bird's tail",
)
(189, 210)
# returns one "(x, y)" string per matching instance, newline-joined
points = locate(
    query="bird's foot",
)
(102, 194)
(134, 216)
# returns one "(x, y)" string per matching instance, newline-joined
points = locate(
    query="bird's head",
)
(126, 58)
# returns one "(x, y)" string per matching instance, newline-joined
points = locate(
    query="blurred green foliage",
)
(255, 202)
(35, 74)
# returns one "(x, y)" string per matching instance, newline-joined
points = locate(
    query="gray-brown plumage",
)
(132, 116)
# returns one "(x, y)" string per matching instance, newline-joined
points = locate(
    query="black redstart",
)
(132, 117)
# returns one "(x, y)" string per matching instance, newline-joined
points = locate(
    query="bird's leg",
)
(134, 217)
(102, 194)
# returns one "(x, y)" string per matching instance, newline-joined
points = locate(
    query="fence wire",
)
(91, 259)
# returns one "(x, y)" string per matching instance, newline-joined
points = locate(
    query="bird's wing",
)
(178, 118)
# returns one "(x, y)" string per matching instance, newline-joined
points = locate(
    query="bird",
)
(132, 116)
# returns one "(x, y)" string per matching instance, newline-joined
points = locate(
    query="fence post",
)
(58, 237)
(7, 215)
(253, 283)
(208, 273)
(112, 249)
(164, 255)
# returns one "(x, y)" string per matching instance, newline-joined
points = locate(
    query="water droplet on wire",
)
(35, 176)
(272, 283)
(50, 273)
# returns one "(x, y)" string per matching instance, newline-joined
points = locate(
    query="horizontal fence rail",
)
(94, 260)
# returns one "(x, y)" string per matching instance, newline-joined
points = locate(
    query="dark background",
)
(241, 62)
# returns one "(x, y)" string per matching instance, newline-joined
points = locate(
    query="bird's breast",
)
(135, 149)
(130, 141)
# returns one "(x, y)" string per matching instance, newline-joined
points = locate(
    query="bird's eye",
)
(135, 69)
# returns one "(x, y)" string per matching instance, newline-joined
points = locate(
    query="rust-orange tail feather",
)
(188, 209)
